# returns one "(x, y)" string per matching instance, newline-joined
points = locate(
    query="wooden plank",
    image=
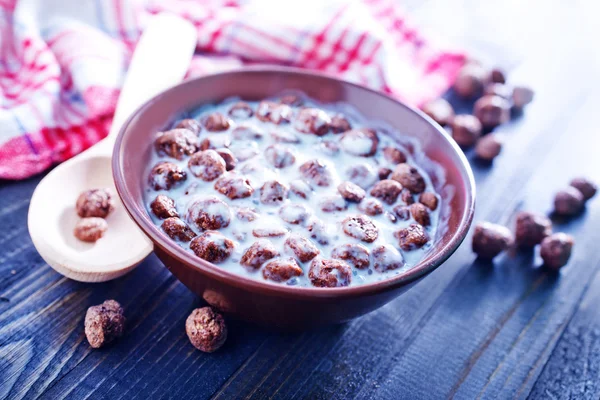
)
(574, 367)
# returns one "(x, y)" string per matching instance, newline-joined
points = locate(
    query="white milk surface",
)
(259, 171)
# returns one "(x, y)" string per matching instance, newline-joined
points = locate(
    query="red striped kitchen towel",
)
(62, 61)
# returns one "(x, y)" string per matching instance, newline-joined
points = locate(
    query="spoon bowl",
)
(160, 61)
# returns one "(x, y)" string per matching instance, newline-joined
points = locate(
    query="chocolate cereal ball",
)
(228, 157)
(312, 120)
(587, 188)
(360, 142)
(166, 175)
(522, 96)
(356, 255)
(439, 110)
(568, 202)
(351, 191)
(329, 273)
(257, 254)
(371, 206)
(531, 229)
(301, 247)
(90, 229)
(394, 155)
(339, 124)
(556, 250)
(386, 190)
(95, 203)
(241, 110)
(281, 270)
(317, 172)
(489, 240)
(420, 214)
(189, 124)
(216, 122)
(488, 147)
(429, 199)
(207, 165)
(176, 229)
(209, 213)
(411, 238)
(177, 143)
(206, 329)
(466, 129)
(163, 207)
(492, 111)
(386, 257)
(104, 323)
(360, 227)
(212, 246)
(409, 177)
(470, 80)
(273, 192)
(234, 186)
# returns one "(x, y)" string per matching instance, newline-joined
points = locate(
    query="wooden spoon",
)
(160, 60)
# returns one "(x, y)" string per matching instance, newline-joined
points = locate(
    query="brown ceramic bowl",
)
(280, 305)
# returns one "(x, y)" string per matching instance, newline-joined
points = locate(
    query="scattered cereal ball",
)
(351, 192)
(420, 214)
(371, 206)
(409, 177)
(216, 122)
(104, 323)
(293, 213)
(466, 129)
(206, 329)
(234, 186)
(291, 100)
(488, 147)
(163, 207)
(439, 110)
(281, 270)
(387, 191)
(497, 76)
(522, 96)
(333, 203)
(394, 155)
(531, 229)
(207, 165)
(355, 254)
(339, 124)
(492, 111)
(228, 157)
(407, 197)
(386, 258)
(360, 142)
(215, 141)
(177, 143)
(212, 246)
(279, 156)
(499, 89)
(300, 188)
(301, 247)
(587, 188)
(269, 111)
(189, 124)
(556, 250)
(489, 240)
(241, 110)
(384, 173)
(317, 172)
(312, 120)
(90, 229)
(273, 231)
(360, 227)
(285, 137)
(329, 273)
(247, 132)
(411, 238)
(273, 192)
(257, 254)
(209, 213)
(429, 199)
(470, 80)
(177, 229)
(402, 212)
(362, 175)
(568, 202)
(165, 175)
(95, 203)
(246, 214)
(318, 231)
(328, 147)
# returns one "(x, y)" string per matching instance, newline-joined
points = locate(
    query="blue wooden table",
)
(469, 330)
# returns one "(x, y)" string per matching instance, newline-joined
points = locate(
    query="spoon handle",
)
(160, 60)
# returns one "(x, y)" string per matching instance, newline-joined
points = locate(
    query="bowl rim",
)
(141, 218)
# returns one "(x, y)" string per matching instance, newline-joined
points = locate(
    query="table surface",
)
(468, 330)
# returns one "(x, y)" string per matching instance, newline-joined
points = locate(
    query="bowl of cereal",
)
(289, 198)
